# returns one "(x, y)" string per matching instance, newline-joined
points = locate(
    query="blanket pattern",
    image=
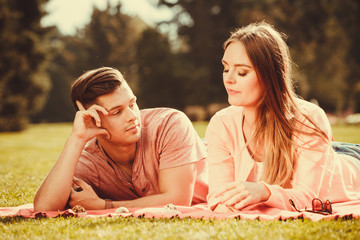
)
(200, 211)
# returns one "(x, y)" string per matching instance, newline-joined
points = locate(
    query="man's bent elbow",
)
(43, 206)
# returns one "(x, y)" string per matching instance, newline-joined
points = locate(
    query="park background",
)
(174, 61)
(171, 61)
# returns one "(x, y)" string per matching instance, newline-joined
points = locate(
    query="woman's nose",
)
(229, 77)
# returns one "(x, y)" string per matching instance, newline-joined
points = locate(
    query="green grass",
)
(26, 157)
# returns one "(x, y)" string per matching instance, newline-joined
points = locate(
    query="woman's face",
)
(240, 78)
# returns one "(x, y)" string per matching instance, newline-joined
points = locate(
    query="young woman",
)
(270, 146)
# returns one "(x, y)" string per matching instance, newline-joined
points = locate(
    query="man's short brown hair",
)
(95, 83)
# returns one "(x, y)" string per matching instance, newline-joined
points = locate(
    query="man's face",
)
(123, 121)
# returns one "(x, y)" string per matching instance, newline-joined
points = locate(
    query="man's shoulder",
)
(91, 147)
(92, 153)
(161, 115)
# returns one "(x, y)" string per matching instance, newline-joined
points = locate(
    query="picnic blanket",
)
(200, 211)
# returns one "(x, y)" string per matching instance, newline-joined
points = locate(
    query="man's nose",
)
(131, 115)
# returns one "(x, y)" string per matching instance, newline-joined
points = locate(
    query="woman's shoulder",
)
(314, 113)
(228, 112)
(227, 119)
(306, 106)
(309, 109)
(225, 126)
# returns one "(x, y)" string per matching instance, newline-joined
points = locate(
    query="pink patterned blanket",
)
(201, 211)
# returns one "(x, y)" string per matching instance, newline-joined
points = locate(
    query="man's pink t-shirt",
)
(168, 140)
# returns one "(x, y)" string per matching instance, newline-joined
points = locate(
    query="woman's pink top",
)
(320, 172)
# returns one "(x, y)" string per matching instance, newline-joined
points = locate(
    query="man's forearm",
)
(54, 192)
(153, 200)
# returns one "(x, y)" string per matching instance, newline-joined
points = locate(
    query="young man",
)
(119, 156)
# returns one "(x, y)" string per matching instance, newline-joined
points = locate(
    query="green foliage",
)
(206, 26)
(23, 80)
(323, 39)
(159, 84)
(62, 71)
(320, 44)
(26, 157)
(108, 40)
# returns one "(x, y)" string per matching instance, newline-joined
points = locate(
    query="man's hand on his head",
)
(87, 123)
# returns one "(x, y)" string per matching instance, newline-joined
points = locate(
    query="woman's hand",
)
(222, 208)
(238, 195)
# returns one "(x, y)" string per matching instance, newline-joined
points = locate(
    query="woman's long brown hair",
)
(275, 120)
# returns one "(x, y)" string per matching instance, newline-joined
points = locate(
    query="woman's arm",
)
(220, 161)
(314, 165)
(311, 176)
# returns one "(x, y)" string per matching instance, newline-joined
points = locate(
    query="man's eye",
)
(132, 105)
(116, 112)
(226, 70)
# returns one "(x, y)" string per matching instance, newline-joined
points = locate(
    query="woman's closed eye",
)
(242, 74)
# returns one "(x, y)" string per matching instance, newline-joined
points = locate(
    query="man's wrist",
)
(108, 204)
(76, 140)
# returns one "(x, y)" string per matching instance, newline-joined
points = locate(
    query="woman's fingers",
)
(235, 197)
(245, 194)
(244, 203)
(230, 194)
(227, 187)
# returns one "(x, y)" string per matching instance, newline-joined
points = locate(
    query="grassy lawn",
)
(26, 157)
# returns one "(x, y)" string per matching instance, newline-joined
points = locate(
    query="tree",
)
(159, 83)
(206, 26)
(62, 70)
(108, 40)
(23, 80)
(348, 16)
(323, 40)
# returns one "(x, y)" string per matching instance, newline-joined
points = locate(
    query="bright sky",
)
(69, 15)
